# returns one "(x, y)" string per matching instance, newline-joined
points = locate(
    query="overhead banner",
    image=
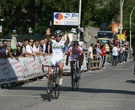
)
(69, 19)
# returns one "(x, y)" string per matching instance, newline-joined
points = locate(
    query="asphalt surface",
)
(112, 88)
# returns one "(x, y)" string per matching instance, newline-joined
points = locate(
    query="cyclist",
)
(57, 53)
(75, 52)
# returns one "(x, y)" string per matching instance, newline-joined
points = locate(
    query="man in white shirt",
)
(27, 49)
(36, 48)
(115, 53)
(90, 55)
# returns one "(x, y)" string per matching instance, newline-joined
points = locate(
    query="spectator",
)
(98, 53)
(36, 48)
(27, 49)
(126, 53)
(18, 51)
(52, 37)
(31, 42)
(103, 54)
(131, 52)
(115, 51)
(4, 49)
(120, 57)
(90, 55)
(42, 46)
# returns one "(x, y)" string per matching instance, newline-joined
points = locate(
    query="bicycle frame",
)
(53, 84)
(75, 80)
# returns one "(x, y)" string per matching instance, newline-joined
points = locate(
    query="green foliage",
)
(37, 14)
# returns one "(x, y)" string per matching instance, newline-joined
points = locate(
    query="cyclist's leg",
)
(80, 64)
(49, 72)
(71, 69)
(61, 65)
(52, 62)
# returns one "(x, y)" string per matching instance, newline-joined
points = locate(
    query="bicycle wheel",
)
(50, 90)
(56, 86)
(77, 83)
(73, 81)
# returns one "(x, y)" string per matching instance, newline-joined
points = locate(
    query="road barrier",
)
(22, 69)
(95, 63)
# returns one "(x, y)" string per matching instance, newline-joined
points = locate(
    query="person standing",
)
(90, 55)
(120, 54)
(115, 53)
(103, 55)
(126, 53)
(98, 53)
(48, 49)
(42, 46)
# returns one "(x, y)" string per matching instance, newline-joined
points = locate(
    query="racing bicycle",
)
(53, 87)
(75, 78)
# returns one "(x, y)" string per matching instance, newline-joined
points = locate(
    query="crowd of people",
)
(52, 45)
(117, 54)
(28, 47)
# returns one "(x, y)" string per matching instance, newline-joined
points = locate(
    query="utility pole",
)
(121, 19)
(79, 23)
(130, 29)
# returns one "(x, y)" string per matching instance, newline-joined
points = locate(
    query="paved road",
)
(112, 88)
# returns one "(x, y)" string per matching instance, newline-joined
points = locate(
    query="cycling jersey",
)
(75, 52)
(57, 52)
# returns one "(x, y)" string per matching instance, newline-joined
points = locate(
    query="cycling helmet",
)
(75, 43)
(58, 33)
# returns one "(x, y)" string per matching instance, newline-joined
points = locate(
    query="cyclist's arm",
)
(67, 58)
(81, 54)
(67, 41)
(68, 54)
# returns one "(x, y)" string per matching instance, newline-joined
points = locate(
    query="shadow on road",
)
(94, 90)
(88, 90)
(131, 81)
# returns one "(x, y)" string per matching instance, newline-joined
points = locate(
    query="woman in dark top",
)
(48, 49)
(18, 51)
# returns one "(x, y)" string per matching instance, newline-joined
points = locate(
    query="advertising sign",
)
(66, 19)
(115, 27)
(122, 37)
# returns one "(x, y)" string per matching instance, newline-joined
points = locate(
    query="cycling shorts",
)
(55, 60)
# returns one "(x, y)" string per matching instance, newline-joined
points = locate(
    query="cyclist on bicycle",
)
(57, 53)
(76, 53)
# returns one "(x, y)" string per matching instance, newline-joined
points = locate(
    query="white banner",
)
(66, 18)
(24, 68)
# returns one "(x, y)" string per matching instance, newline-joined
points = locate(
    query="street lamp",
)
(130, 29)
(121, 18)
